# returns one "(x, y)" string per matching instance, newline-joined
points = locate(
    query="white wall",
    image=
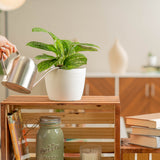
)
(135, 23)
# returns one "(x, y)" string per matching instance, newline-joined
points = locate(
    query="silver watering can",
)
(20, 74)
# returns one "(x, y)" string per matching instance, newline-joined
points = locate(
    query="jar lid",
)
(50, 120)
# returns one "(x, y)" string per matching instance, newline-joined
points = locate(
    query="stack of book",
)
(145, 130)
(151, 69)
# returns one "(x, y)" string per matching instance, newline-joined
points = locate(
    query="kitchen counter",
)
(128, 74)
(118, 76)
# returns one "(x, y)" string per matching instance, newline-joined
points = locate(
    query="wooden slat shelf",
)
(71, 147)
(96, 110)
(81, 132)
(43, 100)
(80, 118)
(77, 158)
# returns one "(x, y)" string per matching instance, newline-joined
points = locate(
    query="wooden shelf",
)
(89, 110)
(43, 100)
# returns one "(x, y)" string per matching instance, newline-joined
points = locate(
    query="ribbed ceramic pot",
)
(65, 85)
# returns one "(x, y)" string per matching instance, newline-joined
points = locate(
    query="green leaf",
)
(89, 44)
(44, 56)
(59, 62)
(59, 46)
(44, 46)
(79, 48)
(37, 29)
(71, 47)
(53, 36)
(45, 64)
(66, 46)
(74, 61)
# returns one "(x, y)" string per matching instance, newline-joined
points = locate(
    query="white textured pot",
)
(152, 60)
(65, 85)
(118, 59)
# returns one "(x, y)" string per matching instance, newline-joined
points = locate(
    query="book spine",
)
(18, 131)
(14, 138)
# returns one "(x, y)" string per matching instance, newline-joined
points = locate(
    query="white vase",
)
(118, 59)
(65, 85)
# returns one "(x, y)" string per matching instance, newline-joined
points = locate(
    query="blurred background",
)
(135, 24)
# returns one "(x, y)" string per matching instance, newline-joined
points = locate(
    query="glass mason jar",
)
(50, 140)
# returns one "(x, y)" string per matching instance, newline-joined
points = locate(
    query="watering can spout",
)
(51, 69)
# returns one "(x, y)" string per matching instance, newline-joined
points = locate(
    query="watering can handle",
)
(3, 65)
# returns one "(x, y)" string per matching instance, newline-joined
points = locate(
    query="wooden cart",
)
(79, 119)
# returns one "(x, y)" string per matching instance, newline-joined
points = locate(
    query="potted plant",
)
(66, 82)
(152, 59)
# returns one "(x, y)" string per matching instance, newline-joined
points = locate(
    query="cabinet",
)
(139, 95)
(33, 107)
(100, 86)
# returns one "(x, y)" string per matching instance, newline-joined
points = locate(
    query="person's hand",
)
(6, 48)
